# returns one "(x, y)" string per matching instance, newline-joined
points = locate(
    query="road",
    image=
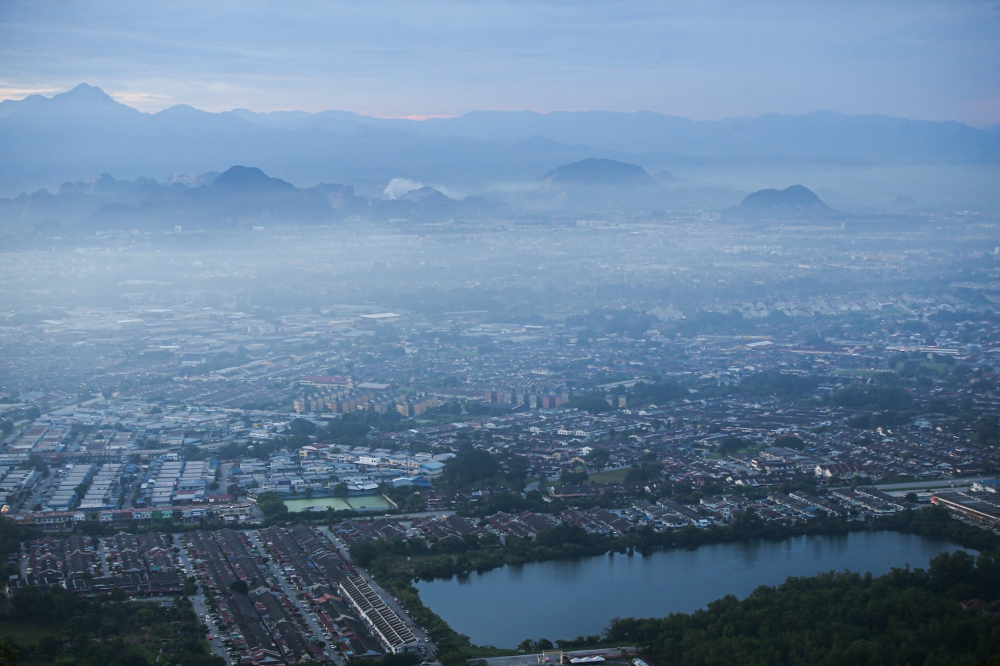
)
(217, 645)
(291, 593)
(37, 492)
(199, 607)
(925, 486)
(128, 501)
(224, 476)
(337, 543)
(539, 658)
(423, 514)
(102, 552)
(515, 660)
(421, 635)
(185, 562)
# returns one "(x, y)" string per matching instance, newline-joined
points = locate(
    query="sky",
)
(707, 59)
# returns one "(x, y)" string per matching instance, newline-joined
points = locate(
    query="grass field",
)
(363, 503)
(611, 476)
(368, 502)
(321, 504)
(23, 633)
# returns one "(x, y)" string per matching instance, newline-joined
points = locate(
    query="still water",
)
(565, 599)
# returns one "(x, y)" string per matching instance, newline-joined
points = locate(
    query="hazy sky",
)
(933, 59)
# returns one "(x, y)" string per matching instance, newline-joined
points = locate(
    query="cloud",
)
(8, 91)
(140, 100)
(397, 187)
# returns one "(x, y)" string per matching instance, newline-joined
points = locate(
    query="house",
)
(314, 451)
(431, 468)
(986, 486)
(838, 470)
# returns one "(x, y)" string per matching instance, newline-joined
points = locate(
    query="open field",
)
(364, 503)
(24, 633)
(611, 476)
(321, 504)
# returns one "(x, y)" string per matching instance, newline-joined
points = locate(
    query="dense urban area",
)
(259, 440)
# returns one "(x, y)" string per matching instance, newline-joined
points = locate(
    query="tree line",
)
(106, 630)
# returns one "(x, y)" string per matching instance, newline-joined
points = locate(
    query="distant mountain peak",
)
(794, 201)
(598, 172)
(795, 195)
(180, 110)
(249, 178)
(423, 193)
(86, 93)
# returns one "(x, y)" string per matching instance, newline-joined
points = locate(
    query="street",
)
(926, 486)
(307, 613)
(217, 646)
(418, 631)
(199, 607)
(38, 492)
(103, 554)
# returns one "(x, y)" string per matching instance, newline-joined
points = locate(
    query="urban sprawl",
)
(234, 436)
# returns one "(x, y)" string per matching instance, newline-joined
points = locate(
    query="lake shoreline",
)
(536, 596)
(394, 573)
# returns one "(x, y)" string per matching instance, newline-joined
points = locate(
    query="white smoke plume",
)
(397, 187)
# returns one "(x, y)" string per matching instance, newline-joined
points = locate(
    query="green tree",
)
(571, 478)
(731, 444)
(192, 452)
(599, 458)
(301, 426)
(790, 442)
(469, 466)
(273, 507)
(517, 471)
(8, 655)
(642, 474)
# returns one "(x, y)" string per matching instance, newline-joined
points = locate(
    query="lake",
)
(569, 598)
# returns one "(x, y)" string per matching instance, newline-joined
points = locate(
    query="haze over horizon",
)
(140, 106)
(855, 162)
(500, 333)
(928, 60)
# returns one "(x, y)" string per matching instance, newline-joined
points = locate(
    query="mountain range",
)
(239, 198)
(74, 135)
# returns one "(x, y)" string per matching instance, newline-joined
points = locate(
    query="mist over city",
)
(500, 335)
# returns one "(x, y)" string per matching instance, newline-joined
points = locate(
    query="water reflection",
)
(565, 599)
